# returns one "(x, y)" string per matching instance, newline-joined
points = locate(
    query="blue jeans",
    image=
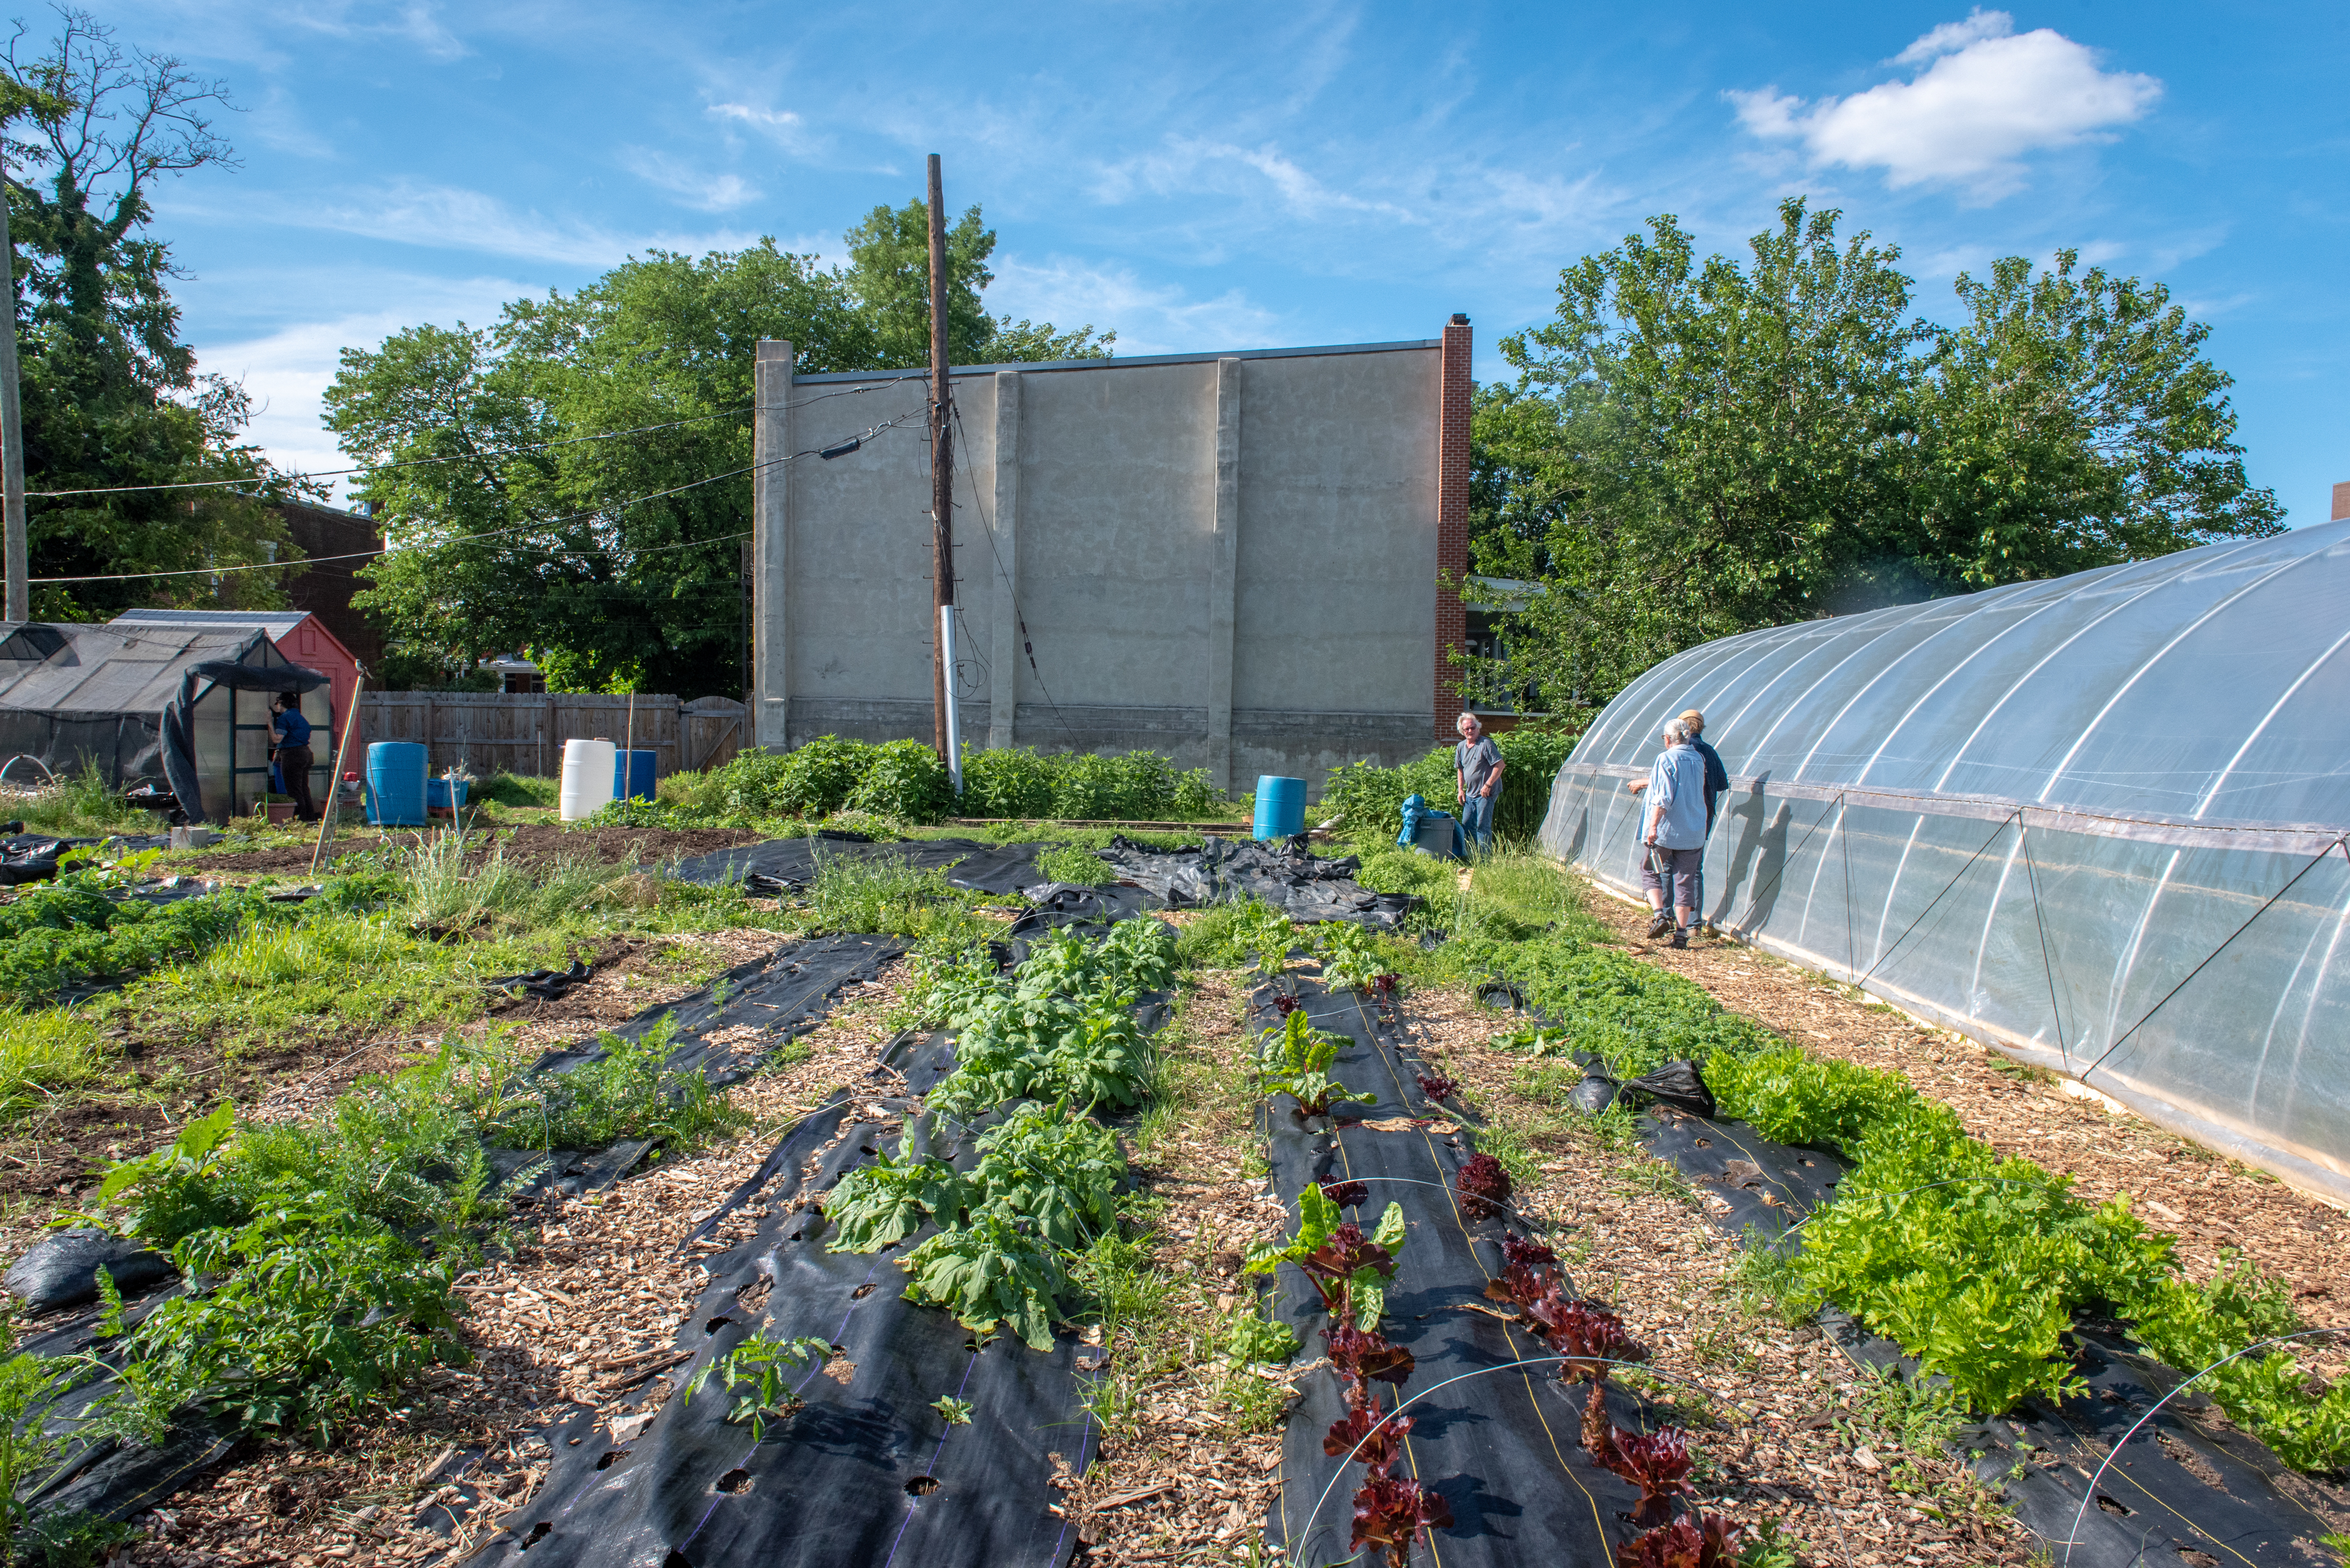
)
(1477, 821)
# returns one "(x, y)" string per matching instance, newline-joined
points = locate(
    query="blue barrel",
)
(632, 776)
(395, 783)
(437, 792)
(1280, 806)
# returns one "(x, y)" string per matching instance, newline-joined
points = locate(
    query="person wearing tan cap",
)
(1717, 781)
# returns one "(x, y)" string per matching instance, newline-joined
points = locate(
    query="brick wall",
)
(1451, 520)
(326, 588)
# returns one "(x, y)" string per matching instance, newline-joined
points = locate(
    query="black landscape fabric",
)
(789, 865)
(2186, 1486)
(1502, 1447)
(868, 1471)
(1284, 872)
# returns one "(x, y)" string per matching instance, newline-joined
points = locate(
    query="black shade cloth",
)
(1502, 1448)
(2150, 1506)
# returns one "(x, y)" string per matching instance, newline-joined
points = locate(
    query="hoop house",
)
(2098, 822)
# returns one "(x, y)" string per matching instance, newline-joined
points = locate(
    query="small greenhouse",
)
(2098, 822)
(184, 706)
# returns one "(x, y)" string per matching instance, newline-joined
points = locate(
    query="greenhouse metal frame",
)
(2101, 822)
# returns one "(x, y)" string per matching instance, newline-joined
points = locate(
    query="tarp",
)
(70, 691)
(1283, 872)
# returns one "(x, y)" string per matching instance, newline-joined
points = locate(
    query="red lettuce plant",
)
(1484, 1186)
(1361, 1358)
(1388, 1512)
(1284, 1004)
(1358, 1435)
(1437, 1087)
(1659, 1462)
(1347, 1194)
(1713, 1542)
(1350, 1268)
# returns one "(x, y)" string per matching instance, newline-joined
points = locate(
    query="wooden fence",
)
(524, 734)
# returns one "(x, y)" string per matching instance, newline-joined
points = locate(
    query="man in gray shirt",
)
(1477, 775)
(1672, 835)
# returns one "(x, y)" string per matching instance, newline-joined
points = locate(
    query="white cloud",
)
(1988, 97)
(690, 187)
(450, 217)
(1193, 164)
(1149, 317)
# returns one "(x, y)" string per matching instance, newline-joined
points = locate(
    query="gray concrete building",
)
(1244, 561)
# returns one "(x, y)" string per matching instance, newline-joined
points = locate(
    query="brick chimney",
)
(2342, 501)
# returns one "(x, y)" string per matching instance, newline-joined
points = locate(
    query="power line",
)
(429, 461)
(497, 533)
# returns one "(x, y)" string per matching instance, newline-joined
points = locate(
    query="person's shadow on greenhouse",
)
(1760, 852)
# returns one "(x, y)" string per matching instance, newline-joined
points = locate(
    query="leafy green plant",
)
(1067, 862)
(881, 1204)
(1351, 956)
(1348, 1268)
(1294, 1060)
(753, 1375)
(1090, 1053)
(955, 1412)
(1243, 933)
(627, 1092)
(29, 1384)
(1252, 1340)
(992, 1273)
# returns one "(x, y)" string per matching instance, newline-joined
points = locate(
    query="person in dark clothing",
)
(289, 733)
(1717, 784)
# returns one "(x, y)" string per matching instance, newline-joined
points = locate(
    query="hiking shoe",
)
(1660, 925)
(1680, 938)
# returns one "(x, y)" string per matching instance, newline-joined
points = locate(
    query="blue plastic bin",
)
(632, 774)
(437, 790)
(1280, 806)
(395, 783)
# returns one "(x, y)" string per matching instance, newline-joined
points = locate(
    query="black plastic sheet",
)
(1502, 1446)
(2184, 1487)
(1283, 872)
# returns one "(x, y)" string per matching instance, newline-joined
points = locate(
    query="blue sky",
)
(1230, 176)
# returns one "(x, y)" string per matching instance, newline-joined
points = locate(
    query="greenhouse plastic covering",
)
(2098, 821)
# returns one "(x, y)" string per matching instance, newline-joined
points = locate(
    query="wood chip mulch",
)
(2209, 1202)
(584, 1311)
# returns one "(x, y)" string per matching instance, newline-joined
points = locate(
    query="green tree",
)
(112, 397)
(517, 519)
(1696, 449)
(889, 274)
(2071, 422)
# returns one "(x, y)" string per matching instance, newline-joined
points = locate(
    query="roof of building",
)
(79, 668)
(277, 623)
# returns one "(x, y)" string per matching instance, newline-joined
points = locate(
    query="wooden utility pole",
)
(19, 597)
(941, 493)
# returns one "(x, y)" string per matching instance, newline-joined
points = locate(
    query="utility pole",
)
(943, 699)
(19, 605)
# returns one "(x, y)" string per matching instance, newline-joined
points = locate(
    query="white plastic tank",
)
(586, 777)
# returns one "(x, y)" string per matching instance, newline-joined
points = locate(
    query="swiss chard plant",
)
(1348, 1269)
(1294, 1060)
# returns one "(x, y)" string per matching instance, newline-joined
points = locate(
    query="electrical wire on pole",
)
(942, 497)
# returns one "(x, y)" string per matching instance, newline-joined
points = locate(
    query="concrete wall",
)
(1232, 559)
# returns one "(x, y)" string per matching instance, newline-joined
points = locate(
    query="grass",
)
(83, 804)
(1068, 863)
(41, 1053)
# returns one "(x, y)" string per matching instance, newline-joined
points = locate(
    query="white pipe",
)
(954, 719)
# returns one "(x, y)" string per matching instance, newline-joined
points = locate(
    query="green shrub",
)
(904, 781)
(1069, 864)
(1008, 782)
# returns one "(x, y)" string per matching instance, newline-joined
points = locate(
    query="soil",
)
(527, 843)
(2211, 1204)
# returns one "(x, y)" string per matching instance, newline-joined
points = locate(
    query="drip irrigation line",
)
(2047, 954)
(487, 533)
(2341, 842)
(1937, 898)
(2072, 1536)
(1789, 859)
(1386, 1417)
(1020, 618)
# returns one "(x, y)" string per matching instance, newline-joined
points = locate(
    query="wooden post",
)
(335, 781)
(941, 472)
(19, 595)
